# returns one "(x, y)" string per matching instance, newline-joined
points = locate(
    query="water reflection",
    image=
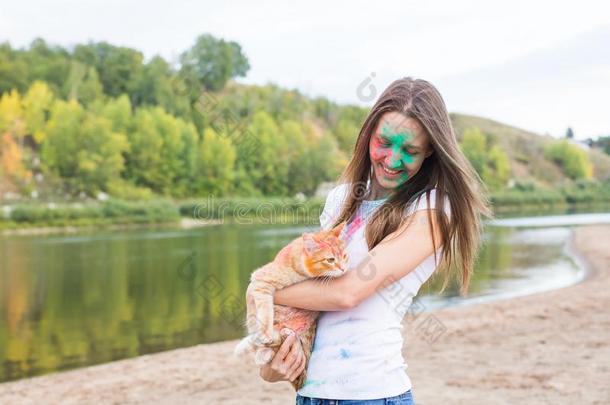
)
(515, 262)
(554, 220)
(73, 300)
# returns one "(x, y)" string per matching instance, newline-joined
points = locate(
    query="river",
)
(70, 300)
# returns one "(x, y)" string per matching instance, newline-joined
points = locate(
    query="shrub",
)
(573, 160)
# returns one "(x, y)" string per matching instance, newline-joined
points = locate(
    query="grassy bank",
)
(579, 195)
(271, 210)
(33, 214)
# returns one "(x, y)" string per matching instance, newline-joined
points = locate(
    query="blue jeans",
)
(403, 399)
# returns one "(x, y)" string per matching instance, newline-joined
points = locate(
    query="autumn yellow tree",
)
(11, 114)
(36, 106)
(11, 161)
(12, 128)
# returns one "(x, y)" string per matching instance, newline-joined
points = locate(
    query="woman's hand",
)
(289, 361)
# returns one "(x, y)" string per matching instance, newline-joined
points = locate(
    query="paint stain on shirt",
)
(352, 227)
(313, 383)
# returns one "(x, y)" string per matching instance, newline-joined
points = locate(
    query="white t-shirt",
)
(357, 353)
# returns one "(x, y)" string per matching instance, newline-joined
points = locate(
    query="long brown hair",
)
(446, 168)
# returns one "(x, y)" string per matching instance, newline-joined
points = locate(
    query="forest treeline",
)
(101, 118)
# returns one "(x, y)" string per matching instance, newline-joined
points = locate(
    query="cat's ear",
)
(310, 244)
(337, 229)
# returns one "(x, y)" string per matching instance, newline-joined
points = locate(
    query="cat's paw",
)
(244, 346)
(286, 332)
(263, 356)
(268, 339)
(261, 339)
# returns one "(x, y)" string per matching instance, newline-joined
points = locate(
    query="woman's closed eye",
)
(385, 143)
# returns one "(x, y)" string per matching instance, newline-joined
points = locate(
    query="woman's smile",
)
(389, 172)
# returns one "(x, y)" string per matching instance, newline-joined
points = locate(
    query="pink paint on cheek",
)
(377, 152)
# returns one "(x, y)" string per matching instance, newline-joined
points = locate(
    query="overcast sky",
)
(537, 65)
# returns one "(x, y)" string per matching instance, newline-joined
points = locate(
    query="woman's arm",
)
(314, 294)
(395, 257)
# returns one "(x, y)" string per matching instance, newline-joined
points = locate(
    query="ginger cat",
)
(319, 254)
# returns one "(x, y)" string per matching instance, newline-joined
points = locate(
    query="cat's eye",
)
(330, 259)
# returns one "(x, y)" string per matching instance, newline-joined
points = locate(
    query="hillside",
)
(526, 151)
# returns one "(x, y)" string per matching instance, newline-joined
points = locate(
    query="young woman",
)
(409, 196)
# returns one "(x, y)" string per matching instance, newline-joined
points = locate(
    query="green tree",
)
(50, 64)
(83, 84)
(13, 70)
(474, 146)
(346, 133)
(324, 161)
(498, 172)
(157, 150)
(146, 141)
(36, 107)
(82, 148)
(488, 158)
(100, 155)
(212, 62)
(349, 122)
(185, 184)
(573, 160)
(62, 133)
(119, 68)
(215, 165)
(118, 112)
(161, 86)
(317, 158)
(267, 168)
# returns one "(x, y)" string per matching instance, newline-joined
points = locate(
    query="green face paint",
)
(396, 140)
(388, 150)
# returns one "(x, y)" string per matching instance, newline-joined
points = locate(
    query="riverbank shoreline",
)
(548, 347)
(42, 220)
(182, 223)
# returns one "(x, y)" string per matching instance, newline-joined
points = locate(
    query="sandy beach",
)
(546, 348)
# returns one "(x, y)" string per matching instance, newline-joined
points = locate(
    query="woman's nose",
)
(393, 160)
